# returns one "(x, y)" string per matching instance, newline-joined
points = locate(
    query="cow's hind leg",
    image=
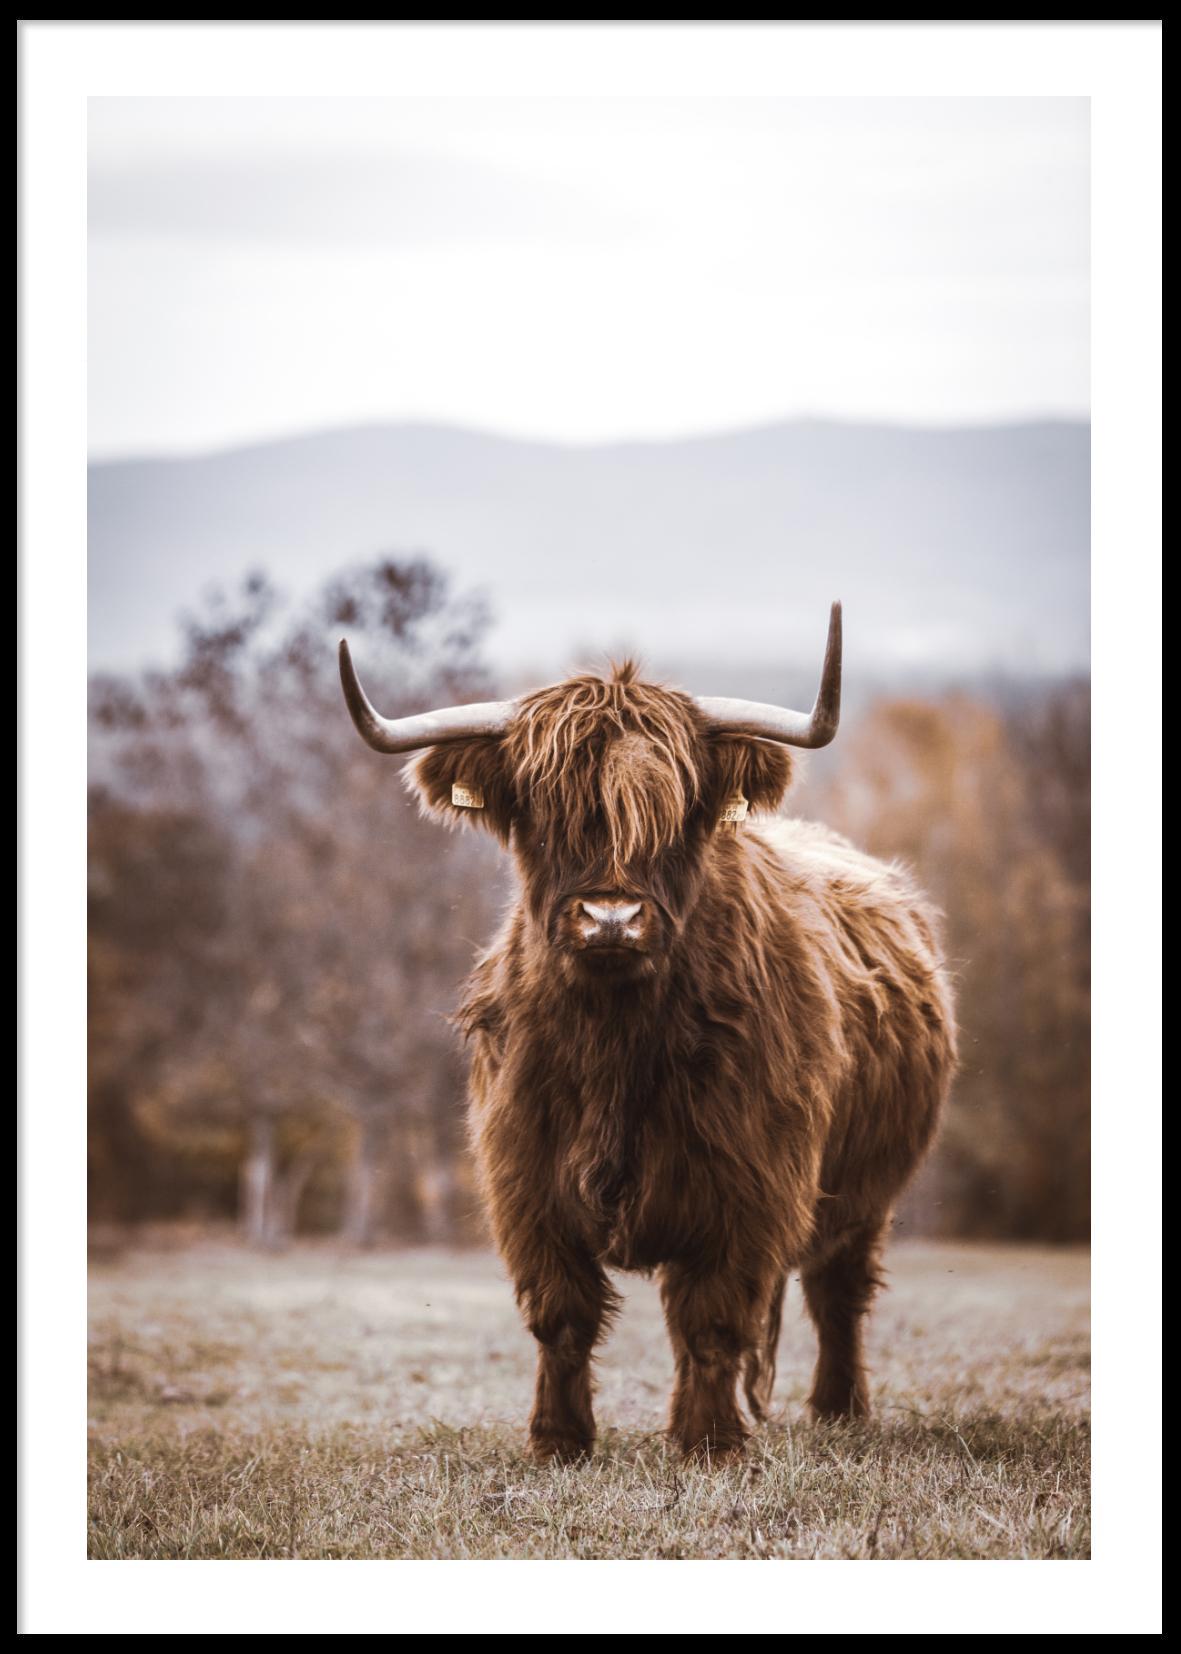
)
(714, 1323)
(758, 1372)
(566, 1309)
(839, 1291)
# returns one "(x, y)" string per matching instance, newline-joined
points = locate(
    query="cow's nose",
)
(610, 917)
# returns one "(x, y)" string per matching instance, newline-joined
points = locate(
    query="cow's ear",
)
(758, 771)
(465, 781)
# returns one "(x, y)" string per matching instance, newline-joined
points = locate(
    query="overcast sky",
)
(581, 270)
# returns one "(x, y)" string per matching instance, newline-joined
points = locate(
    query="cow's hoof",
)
(839, 1410)
(714, 1451)
(558, 1449)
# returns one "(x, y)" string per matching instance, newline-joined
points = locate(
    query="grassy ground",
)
(318, 1405)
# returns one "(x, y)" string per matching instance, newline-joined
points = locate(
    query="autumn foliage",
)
(277, 939)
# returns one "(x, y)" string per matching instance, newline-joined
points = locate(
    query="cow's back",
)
(897, 1011)
(874, 905)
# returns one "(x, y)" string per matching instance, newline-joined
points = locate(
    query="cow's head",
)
(608, 791)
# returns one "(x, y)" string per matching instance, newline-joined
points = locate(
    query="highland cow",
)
(705, 1047)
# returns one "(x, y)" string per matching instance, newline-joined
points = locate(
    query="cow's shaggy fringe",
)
(609, 756)
(748, 1101)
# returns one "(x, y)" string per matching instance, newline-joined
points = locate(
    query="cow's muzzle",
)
(610, 933)
(609, 922)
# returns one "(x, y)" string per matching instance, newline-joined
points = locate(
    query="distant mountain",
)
(955, 551)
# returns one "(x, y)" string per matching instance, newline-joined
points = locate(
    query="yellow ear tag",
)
(467, 798)
(734, 809)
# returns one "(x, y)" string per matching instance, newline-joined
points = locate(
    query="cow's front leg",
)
(713, 1321)
(567, 1302)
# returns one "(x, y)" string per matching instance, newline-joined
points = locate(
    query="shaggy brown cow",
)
(710, 1050)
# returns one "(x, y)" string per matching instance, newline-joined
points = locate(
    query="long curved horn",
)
(780, 723)
(421, 729)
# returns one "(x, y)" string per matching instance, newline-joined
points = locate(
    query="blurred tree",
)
(276, 937)
(991, 809)
(269, 951)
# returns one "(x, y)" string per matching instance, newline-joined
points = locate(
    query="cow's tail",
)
(759, 1365)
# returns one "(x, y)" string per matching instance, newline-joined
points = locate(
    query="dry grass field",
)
(318, 1404)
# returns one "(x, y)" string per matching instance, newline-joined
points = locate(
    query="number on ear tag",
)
(734, 809)
(467, 797)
